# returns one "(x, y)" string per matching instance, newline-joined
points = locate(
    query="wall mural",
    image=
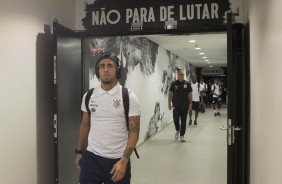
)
(140, 50)
(95, 47)
(189, 70)
(147, 69)
(156, 122)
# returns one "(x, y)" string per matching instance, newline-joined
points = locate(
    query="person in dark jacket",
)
(180, 100)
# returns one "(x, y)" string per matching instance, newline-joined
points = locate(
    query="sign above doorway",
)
(212, 72)
(127, 16)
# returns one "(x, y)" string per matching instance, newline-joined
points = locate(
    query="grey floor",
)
(202, 159)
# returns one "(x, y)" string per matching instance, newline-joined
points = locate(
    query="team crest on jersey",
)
(116, 103)
(185, 85)
(93, 109)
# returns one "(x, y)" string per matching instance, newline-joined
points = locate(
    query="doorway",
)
(84, 66)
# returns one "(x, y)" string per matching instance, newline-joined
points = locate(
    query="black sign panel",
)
(124, 16)
(212, 71)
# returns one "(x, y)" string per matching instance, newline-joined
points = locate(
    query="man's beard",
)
(107, 81)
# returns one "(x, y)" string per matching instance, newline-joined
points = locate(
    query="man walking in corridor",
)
(180, 100)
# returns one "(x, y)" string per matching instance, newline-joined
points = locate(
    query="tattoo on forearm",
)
(128, 152)
(134, 124)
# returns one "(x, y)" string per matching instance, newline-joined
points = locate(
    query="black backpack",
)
(219, 86)
(125, 99)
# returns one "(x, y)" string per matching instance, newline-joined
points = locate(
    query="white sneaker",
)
(182, 139)
(176, 134)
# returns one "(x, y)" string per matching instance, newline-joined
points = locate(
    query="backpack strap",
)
(125, 99)
(87, 98)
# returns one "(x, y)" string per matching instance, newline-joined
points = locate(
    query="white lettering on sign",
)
(166, 13)
(140, 15)
(114, 21)
(212, 71)
(102, 17)
(198, 11)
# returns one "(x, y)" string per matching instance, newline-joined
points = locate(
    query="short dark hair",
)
(108, 55)
(115, 59)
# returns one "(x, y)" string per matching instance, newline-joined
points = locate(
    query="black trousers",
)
(96, 170)
(177, 115)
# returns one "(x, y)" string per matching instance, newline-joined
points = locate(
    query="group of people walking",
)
(185, 97)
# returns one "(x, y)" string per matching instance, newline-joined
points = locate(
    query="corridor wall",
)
(147, 69)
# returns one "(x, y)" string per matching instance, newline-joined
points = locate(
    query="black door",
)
(238, 114)
(68, 83)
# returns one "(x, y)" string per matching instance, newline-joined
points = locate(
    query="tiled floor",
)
(202, 159)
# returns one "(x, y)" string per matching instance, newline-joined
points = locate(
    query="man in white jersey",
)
(195, 99)
(216, 91)
(104, 144)
(203, 90)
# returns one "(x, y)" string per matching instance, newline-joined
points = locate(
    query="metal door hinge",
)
(55, 126)
(55, 69)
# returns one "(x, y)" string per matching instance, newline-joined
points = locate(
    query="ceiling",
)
(214, 47)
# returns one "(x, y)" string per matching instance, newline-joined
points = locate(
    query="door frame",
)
(238, 116)
(245, 91)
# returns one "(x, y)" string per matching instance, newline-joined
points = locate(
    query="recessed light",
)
(210, 66)
(205, 57)
(192, 41)
(207, 60)
(201, 53)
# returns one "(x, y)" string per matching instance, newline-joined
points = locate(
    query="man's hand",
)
(169, 106)
(119, 169)
(77, 160)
